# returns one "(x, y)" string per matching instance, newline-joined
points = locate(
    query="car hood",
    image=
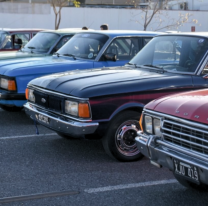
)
(108, 81)
(39, 65)
(189, 105)
(17, 54)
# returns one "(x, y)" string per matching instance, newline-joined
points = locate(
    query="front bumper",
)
(11, 96)
(162, 153)
(61, 124)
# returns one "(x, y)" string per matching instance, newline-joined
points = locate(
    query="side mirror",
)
(110, 56)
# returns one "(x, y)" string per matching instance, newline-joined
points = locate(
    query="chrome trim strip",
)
(184, 134)
(185, 127)
(177, 119)
(182, 150)
(59, 114)
(56, 93)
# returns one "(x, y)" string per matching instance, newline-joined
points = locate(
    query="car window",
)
(173, 53)
(20, 40)
(84, 45)
(62, 42)
(124, 48)
(41, 42)
(146, 40)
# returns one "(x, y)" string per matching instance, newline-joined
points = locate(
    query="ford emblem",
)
(43, 100)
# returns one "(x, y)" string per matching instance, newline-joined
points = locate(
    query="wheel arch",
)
(133, 106)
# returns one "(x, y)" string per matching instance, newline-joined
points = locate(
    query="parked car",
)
(14, 39)
(107, 102)
(175, 135)
(89, 49)
(44, 43)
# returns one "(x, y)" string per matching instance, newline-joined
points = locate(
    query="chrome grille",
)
(195, 139)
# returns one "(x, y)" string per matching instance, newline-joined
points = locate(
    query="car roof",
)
(19, 29)
(64, 31)
(114, 33)
(200, 34)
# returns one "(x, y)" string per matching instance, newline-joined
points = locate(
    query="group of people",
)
(102, 27)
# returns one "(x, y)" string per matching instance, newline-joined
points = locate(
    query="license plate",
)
(42, 118)
(186, 170)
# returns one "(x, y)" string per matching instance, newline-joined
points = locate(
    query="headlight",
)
(157, 127)
(77, 109)
(148, 124)
(8, 84)
(71, 108)
(29, 95)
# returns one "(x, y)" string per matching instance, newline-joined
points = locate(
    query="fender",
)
(123, 107)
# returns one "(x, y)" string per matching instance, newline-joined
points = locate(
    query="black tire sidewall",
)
(109, 141)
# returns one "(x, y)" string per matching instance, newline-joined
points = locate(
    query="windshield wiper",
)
(150, 65)
(136, 66)
(31, 47)
(70, 55)
(57, 54)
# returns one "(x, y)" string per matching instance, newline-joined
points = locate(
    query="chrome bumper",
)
(162, 153)
(66, 126)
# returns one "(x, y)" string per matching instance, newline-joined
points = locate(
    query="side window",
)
(146, 40)
(62, 42)
(33, 34)
(124, 48)
(20, 40)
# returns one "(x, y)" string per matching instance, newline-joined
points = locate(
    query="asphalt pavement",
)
(47, 170)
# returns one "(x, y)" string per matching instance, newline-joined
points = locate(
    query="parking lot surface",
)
(47, 170)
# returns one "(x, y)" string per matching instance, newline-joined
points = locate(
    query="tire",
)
(191, 185)
(119, 140)
(11, 108)
(64, 136)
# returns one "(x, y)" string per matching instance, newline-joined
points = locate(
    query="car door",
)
(125, 48)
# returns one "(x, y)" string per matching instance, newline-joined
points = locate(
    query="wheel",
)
(11, 108)
(65, 136)
(119, 140)
(191, 185)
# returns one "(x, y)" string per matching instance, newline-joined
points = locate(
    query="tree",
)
(57, 7)
(156, 12)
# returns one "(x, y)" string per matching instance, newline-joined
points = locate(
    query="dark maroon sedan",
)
(14, 39)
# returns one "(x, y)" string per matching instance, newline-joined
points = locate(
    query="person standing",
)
(104, 27)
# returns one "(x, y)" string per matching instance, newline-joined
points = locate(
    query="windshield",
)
(173, 53)
(85, 45)
(41, 42)
(5, 41)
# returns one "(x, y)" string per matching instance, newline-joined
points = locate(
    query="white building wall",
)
(94, 17)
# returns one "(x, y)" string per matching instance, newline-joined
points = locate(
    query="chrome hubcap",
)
(125, 138)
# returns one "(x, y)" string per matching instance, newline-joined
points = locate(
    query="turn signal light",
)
(84, 111)
(140, 122)
(27, 93)
(12, 85)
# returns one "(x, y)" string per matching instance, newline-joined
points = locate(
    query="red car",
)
(14, 39)
(175, 135)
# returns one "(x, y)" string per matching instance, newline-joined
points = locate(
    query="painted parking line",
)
(129, 186)
(32, 135)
